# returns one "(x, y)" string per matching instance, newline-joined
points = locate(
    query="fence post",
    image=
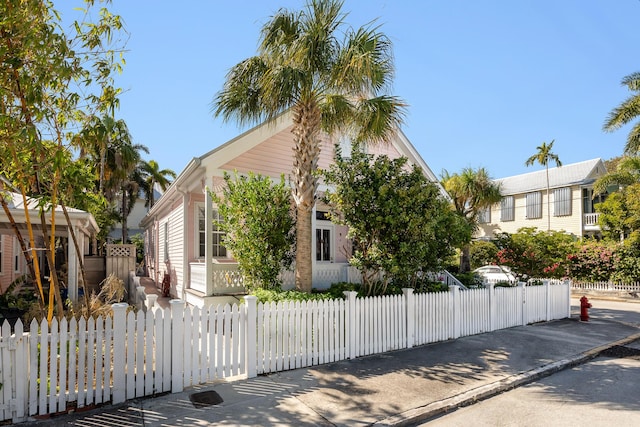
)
(523, 301)
(410, 319)
(568, 284)
(455, 309)
(177, 343)
(251, 307)
(492, 307)
(547, 291)
(119, 351)
(350, 318)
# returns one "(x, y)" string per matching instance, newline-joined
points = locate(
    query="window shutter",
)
(534, 205)
(562, 201)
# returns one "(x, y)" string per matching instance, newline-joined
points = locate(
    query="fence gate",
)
(120, 260)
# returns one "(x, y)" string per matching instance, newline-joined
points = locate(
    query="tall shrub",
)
(259, 227)
(398, 221)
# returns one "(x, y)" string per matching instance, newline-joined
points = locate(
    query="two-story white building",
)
(524, 204)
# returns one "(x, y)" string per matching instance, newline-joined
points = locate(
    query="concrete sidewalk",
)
(396, 388)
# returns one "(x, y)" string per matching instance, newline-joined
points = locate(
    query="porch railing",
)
(590, 219)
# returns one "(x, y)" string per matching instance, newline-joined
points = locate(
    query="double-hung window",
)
(562, 201)
(17, 254)
(507, 209)
(534, 205)
(218, 249)
(484, 215)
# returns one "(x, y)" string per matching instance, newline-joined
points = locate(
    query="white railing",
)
(88, 362)
(590, 219)
(227, 279)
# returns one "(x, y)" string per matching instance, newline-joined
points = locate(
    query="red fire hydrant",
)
(585, 305)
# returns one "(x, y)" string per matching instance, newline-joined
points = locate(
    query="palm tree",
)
(627, 172)
(544, 156)
(123, 177)
(98, 137)
(327, 83)
(472, 191)
(155, 175)
(626, 112)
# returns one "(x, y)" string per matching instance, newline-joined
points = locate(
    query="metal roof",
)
(581, 173)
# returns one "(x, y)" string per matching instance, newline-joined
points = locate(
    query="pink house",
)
(184, 248)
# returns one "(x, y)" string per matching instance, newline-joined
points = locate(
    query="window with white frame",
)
(166, 241)
(507, 209)
(484, 215)
(17, 255)
(324, 236)
(562, 201)
(534, 205)
(218, 249)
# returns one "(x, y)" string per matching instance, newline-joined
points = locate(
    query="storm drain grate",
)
(205, 398)
(621, 352)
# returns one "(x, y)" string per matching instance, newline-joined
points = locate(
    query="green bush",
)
(273, 295)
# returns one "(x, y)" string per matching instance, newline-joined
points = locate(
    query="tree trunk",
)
(465, 259)
(54, 285)
(304, 264)
(78, 253)
(306, 128)
(124, 216)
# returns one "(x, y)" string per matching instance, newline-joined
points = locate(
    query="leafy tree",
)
(154, 175)
(328, 83)
(398, 221)
(472, 191)
(593, 261)
(543, 157)
(534, 253)
(626, 112)
(50, 81)
(482, 253)
(259, 227)
(620, 213)
(626, 172)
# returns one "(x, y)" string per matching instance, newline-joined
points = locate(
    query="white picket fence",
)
(80, 363)
(606, 286)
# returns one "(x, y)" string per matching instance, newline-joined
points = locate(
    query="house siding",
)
(571, 224)
(176, 251)
(275, 156)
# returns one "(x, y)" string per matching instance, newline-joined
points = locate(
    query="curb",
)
(469, 397)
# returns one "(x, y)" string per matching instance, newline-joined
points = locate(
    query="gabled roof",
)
(581, 173)
(216, 158)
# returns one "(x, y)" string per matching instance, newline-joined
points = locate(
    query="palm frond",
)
(378, 118)
(365, 65)
(626, 112)
(632, 146)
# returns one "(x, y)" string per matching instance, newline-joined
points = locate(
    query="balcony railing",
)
(590, 220)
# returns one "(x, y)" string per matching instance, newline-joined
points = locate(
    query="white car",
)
(495, 273)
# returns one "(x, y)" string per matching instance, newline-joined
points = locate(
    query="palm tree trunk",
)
(306, 128)
(465, 259)
(124, 216)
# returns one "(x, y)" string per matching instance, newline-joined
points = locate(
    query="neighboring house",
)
(138, 212)
(524, 202)
(12, 262)
(180, 226)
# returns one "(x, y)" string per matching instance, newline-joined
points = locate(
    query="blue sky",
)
(486, 81)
